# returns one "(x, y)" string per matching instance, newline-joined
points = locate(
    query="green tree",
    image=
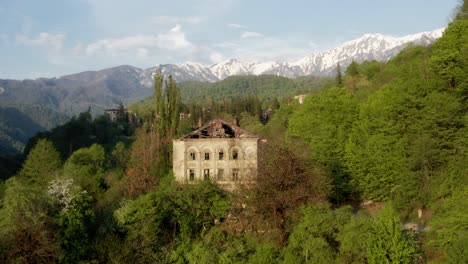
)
(324, 122)
(74, 219)
(26, 230)
(265, 253)
(42, 163)
(173, 105)
(165, 124)
(353, 238)
(353, 69)
(86, 167)
(449, 59)
(448, 226)
(172, 213)
(376, 150)
(388, 243)
(313, 239)
(122, 115)
(458, 251)
(339, 76)
(121, 156)
(288, 181)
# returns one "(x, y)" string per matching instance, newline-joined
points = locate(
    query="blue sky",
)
(50, 38)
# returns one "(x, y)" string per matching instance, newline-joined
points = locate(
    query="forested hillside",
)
(20, 122)
(371, 169)
(264, 86)
(30, 106)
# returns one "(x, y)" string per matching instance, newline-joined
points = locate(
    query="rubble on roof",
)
(219, 128)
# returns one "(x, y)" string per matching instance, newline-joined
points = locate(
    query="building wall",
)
(246, 164)
(112, 114)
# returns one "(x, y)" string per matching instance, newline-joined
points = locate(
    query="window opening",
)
(235, 174)
(192, 156)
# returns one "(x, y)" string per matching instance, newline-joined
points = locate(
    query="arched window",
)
(235, 154)
(192, 153)
(220, 154)
(207, 153)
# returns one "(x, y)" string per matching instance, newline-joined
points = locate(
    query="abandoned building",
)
(116, 114)
(218, 151)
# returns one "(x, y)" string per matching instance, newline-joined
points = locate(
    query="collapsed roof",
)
(219, 128)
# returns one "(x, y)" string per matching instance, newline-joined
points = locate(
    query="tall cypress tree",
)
(167, 117)
(173, 107)
(160, 104)
(339, 76)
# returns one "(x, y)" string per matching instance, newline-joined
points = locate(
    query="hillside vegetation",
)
(266, 87)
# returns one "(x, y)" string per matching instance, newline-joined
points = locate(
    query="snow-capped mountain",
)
(368, 47)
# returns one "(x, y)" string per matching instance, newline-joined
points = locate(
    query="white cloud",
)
(250, 34)
(52, 42)
(173, 40)
(216, 57)
(233, 25)
(142, 53)
(225, 45)
(176, 20)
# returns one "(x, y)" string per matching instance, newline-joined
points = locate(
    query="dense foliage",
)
(266, 87)
(83, 131)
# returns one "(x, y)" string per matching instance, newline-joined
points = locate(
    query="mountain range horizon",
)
(370, 46)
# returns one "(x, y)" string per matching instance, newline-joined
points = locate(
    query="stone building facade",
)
(115, 113)
(218, 151)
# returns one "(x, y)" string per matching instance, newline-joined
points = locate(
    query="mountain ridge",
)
(372, 46)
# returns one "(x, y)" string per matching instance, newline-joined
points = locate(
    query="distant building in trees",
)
(300, 98)
(217, 151)
(112, 113)
(118, 114)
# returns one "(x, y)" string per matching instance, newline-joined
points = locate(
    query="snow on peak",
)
(371, 46)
